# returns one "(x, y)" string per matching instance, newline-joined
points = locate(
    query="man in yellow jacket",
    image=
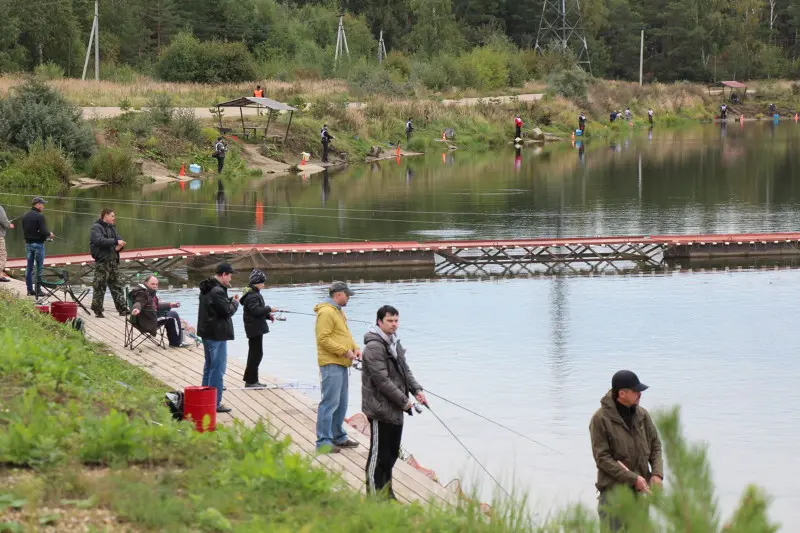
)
(336, 351)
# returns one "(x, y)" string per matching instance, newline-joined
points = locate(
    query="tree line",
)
(695, 40)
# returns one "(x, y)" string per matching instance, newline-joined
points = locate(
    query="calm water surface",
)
(535, 354)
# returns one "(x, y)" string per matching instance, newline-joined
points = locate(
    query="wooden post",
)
(269, 119)
(291, 114)
(241, 113)
(219, 116)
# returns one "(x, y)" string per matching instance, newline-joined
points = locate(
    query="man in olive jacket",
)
(386, 382)
(105, 245)
(625, 442)
(215, 327)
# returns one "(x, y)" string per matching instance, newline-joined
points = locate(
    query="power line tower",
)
(341, 39)
(561, 25)
(381, 49)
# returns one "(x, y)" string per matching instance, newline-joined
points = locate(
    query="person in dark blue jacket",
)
(255, 316)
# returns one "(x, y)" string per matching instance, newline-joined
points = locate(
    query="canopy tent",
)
(730, 85)
(252, 101)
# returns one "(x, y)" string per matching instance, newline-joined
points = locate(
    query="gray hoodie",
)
(4, 222)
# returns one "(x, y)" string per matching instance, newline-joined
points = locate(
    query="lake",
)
(533, 354)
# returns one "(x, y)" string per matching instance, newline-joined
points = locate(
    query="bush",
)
(159, 108)
(187, 59)
(34, 112)
(141, 124)
(45, 167)
(113, 165)
(48, 71)
(485, 68)
(572, 83)
(185, 125)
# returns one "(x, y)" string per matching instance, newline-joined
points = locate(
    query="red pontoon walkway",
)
(457, 255)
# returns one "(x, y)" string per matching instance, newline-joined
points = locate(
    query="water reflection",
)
(689, 182)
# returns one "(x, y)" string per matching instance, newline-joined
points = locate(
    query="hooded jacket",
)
(214, 318)
(103, 239)
(333, 335)
(386, 380)
(255, 312)
(637, 447)
(146, 301)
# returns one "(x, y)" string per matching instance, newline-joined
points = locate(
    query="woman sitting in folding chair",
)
(150, 314)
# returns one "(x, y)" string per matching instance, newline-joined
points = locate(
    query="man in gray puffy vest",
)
(386, 382)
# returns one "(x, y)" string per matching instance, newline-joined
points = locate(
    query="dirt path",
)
(90, 113)
(255, 160)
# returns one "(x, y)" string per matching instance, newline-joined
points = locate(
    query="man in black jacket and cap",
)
(386, 382)
(105, 245)
(34, 228)
(215, 327)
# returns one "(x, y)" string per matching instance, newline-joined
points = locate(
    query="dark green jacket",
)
(638, 447)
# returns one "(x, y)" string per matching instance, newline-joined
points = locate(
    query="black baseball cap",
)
(625, 379)
(38, 200)
(225, 268)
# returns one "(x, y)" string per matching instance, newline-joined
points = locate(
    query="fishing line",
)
(93, 215)
(184, 205)
(468, 451)
(515, 432)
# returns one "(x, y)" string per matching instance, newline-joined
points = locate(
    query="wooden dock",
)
(288, 412)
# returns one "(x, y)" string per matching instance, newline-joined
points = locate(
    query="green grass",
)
(89, 431)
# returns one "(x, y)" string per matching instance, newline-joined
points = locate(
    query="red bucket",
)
(44, 308)
(63, 311)
(200, 406)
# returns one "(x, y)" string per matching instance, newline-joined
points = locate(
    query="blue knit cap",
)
(256, 277)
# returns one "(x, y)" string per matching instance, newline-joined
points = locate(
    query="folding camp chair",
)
(134, 337)
(55, 281)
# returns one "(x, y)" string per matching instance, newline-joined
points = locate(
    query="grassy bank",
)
(83, 435)
(85, 445)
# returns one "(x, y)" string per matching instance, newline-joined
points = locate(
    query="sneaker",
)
(99, 314)
(181, 345)
(329, 449)
(347, 444)
(124, 312)
(4, 280)
(255, 385)
(222, 408)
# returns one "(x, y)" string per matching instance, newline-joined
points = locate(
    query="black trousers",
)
(172, 323)
(518, 133)
(325, 152)
(384, 449)
(220, 164)
(254, 355)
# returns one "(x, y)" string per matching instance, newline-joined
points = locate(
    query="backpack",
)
(174, 402)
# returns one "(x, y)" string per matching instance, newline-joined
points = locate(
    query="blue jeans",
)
(35, 253)
(332, 406)
(215, 365)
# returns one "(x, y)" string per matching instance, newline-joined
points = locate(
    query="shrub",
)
(571, 83)
(486, 68)
(48, 71)
(185, 125)
(45, 167)
(187, 59)
(159, 107)
(113, 165)
(141, 124)
(34, 112)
